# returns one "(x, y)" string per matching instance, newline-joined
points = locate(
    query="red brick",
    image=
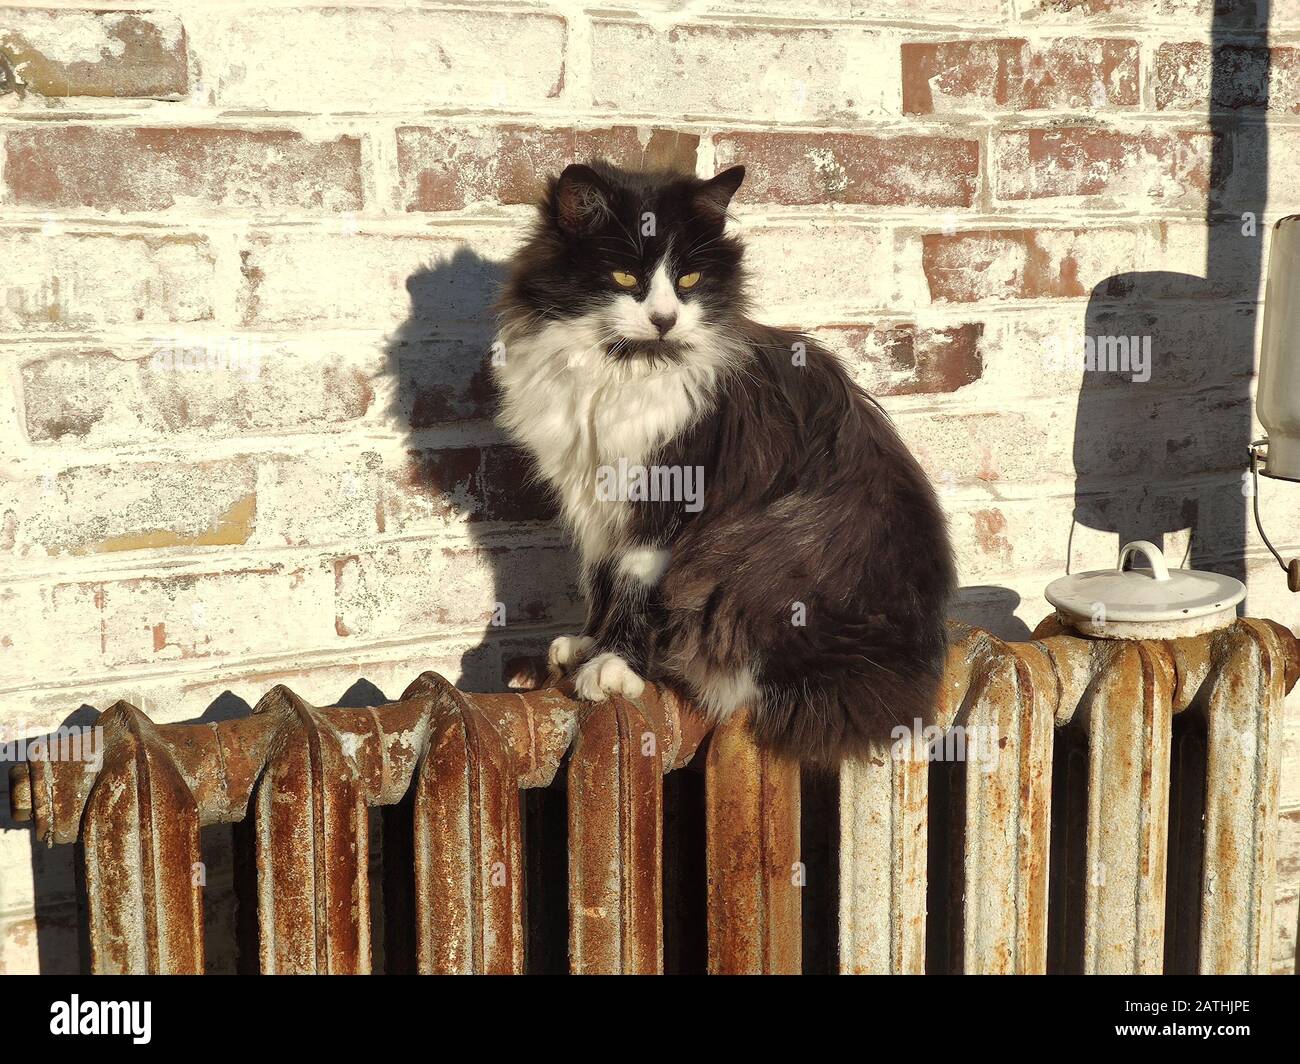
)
(888, 170)
(905, 360)
(1024, 263)
(115, 169)
(97, 53)
(1164, 167)
(1010, 74)
(511, 492)
(1157, 304)
(1249, 77)
(446, 168)
(1288, 855)
(991, 534)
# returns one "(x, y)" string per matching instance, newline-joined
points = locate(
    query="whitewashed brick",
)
(95, 509)
(58, 279)
(791, 73)
(819, 268)
(378, 58)
(314, 279)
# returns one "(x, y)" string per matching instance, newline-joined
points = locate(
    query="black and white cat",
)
(752, 531)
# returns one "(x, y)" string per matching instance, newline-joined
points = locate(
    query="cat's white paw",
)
(568, 650)
(604, 675)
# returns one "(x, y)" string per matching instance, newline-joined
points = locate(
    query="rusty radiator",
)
(1126, 824)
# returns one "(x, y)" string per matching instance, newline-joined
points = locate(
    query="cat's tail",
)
(861, 704)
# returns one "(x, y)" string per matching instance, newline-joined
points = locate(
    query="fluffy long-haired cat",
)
(752, 531)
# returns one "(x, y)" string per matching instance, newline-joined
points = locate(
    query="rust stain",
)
(990, 532)
(307, 774)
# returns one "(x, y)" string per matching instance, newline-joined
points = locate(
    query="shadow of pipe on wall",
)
(1161, 445)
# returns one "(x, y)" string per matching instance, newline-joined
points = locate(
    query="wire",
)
(1254, 474)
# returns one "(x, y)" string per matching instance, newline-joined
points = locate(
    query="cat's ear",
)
(714, 196)
(581, 199)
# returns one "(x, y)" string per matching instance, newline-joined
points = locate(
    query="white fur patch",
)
(604, 675)
(645, 565)
(721, 694)
(661, 300)
(566, 650)
(577, 409)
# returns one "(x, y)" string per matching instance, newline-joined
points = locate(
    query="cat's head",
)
(641, 257)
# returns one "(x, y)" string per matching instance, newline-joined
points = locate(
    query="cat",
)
(752, 531)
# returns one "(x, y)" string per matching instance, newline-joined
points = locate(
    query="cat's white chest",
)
(579, 412)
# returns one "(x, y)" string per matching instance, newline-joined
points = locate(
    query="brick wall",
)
(246, 251)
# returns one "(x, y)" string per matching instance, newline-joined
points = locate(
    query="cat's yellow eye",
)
(624, 280)
(688, 280)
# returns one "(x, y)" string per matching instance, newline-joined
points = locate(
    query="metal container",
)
(1145, 603)
(1278, 400)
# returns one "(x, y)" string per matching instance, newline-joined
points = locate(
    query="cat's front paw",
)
(604, 675)
(568, 650)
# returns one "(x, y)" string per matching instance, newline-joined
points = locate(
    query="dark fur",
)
(564, 268)
(810, 497)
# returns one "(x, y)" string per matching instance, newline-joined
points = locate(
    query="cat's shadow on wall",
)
(439, 361)
(459, 467)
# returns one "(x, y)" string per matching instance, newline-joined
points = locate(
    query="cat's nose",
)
(663, 322)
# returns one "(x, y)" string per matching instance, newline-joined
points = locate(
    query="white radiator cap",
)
(1151, 603)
